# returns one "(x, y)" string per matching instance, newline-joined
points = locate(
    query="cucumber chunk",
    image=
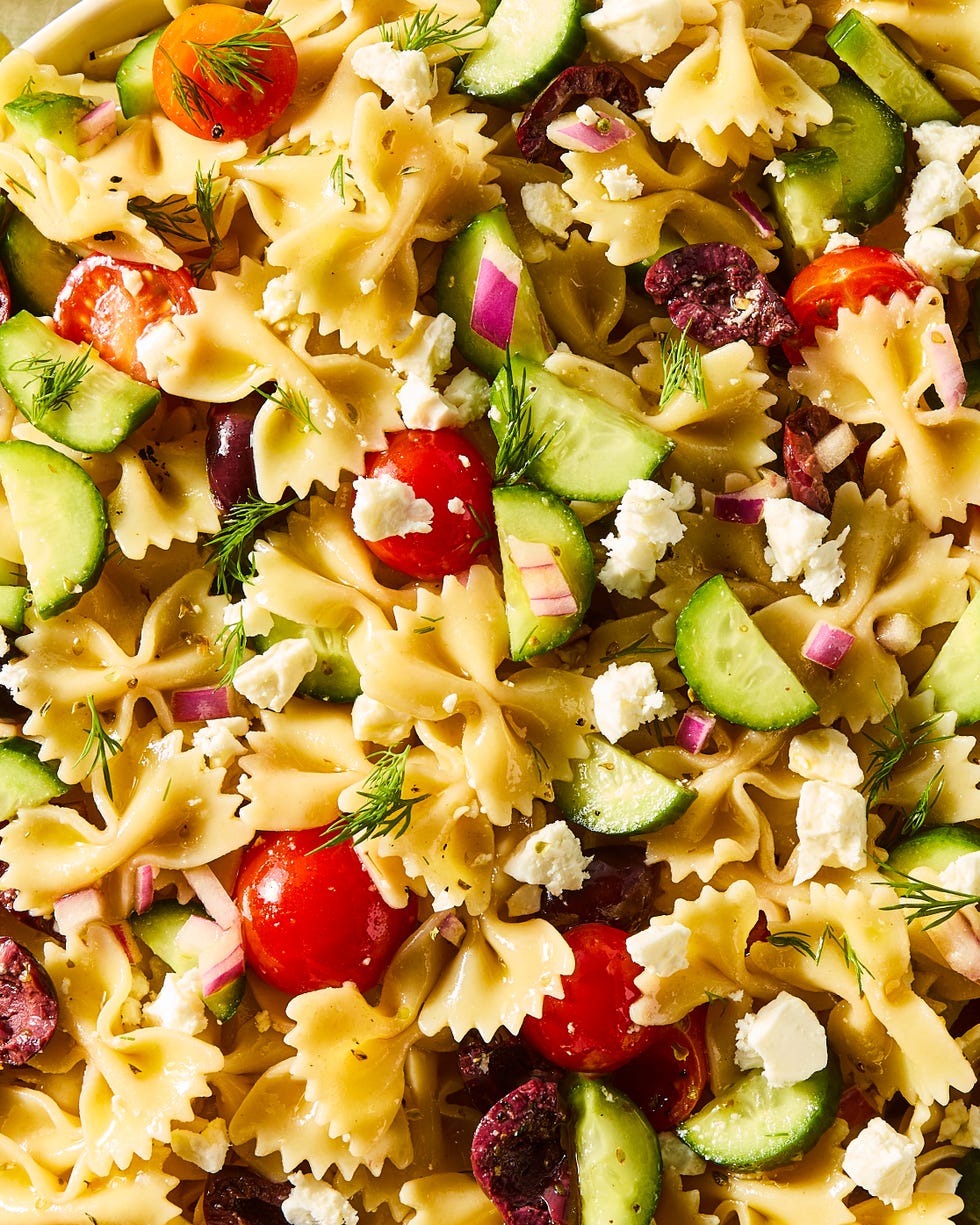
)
(36, 266)
(49, 116)
(869, 140)
(594, 450)
(968, 1188)
(954, 676)
(885, 68)
(60, 520)
(617, 1155)
(808, 194)
(613, 792)
(731, 667)
(13, 605)
(752, 1126)
(158, 928)
(934, 849)
(102, 408)
(456, 285)
(334, 678)
(25, 780)
(134, 78)
(534, 516)
(527, 45)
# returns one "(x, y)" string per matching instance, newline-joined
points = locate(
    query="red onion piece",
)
(124, 934)
(97, 128)
(738, 507)
(76, 910)
(695, 728)
(570, 132)
(221, 963)
(213, 896)
(547, 589)
(495, 296)
(145, 875)
(199, 705)
(451, 928)
(834, 447)
(827, 645)
(947, 365)
(197, 934)
(754, 213)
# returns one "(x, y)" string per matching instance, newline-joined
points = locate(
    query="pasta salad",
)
(487, 558)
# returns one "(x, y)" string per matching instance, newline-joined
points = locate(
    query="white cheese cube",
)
(784, 1038)
(384, 506)
(625, 697)
(469, 394)
(178, 1005)
(825, 754)
(940, 141)
(405, 76)
(376, 723)
(832, 825)
(220, 740)
(632, 29)
(963, 874)
(938, 256)
(312, 1202)
(207, 1149)
(660, 947)
(647, 525)
(796, 546)
(620, 183)
(427, 349)
(269, 680)
(548, 208)
(552, 857)
(939, 190)
(882, 1161)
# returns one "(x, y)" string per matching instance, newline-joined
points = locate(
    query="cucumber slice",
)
(60, 520)
(36, 266)
(934, 849)
(752, 1126)
(48, 116)
(869, 140)
(954, 677)
(456, 286)
(527, 45)
(335, 677)
(25, 780)
(102, 408)
(593, 451)
(533, 515)
(13, 605)
(613, 792)
(968, 1188)
(731, 667)
(134, 78)
(885, 68)
(158, 928)
(808, 194)
(617, 1155)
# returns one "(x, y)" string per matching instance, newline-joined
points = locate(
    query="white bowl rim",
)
(91, 25)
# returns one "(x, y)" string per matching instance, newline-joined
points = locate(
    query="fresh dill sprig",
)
(430, 625)
(338, 177)
(921, 899)
(636, 647)
(54, 379)
(519, 447)
(100, 744)
(385, 809)
(801, 943)
(233, 643)
(888, 753)
(230, 548)
(186, 220)
(682, 369)
(429, 29)
(916, 817)
(297, 404)
(234, 62)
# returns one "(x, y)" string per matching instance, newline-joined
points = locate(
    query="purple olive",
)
(28, 1005)
(569, 89)
(620, 889)
(228, 453)
(490, 1070)
(808, 483)
(237, 1195)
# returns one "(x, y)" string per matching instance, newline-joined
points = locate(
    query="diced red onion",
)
(570, 132)
(738, 507)
(145, 875)
(947, 365)
(76, 910)
(221, 963)
(835, 446)
(695, 727)
(197, 934)
(827, 645)
(199, 705)
(495, 295)
(451, 928)
(97, 128)
(753, 212)
(769, 485)
(213, 896)
(547, 589)
(124, 934)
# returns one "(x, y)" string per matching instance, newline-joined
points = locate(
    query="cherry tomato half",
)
(589, 1029)
(223, 73)
(314, 918)
(843, 279)
(449, 473)
(667, 1079)
(109, 303)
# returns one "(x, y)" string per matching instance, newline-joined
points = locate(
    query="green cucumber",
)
(99, 411)
(731, 667)
(869, 140)
(885, 68)
(48, 116)
(158, 928)
(593, 450)
(968, 1188)
(535, 516)
(612, 792)
(59, 517)
(954, 676)
(25, 780)
(334, 678)
(752, 1126)
(134, 77)
(636, 273)
(36, 266)
(808, 194)
(617, 1155)
(456, 284)
(527, 45)
(13, 605)
(934, 849)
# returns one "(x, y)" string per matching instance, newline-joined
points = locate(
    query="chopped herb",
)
(177, 217)
(682, 369)
(431, 623)
(920, 899)
(385, 809)
(801, 943)
(100, 744)
(234, 62)
(429, 29)
(338, 177)
(296, 404)
(923, 805)
(233, 642)
(57, 379)
(519, 447)
(230, 548)
(636, 647)
(888, 753)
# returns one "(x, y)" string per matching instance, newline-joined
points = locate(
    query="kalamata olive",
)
(28, 1005)
(569, 89)
(808, 482)
(519, 1157)
(228, 453)
(620, 889)
(490, 1070)
(41, 923)
(237, 1195)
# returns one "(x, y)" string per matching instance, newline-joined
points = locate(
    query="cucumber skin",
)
(334, 678)
(36, 266)
(134, 78)
(25, 780)
(954, 676)
(934, 848)
(809, 193)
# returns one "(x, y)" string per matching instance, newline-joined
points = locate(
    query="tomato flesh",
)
(843, 279)
(110, 303)
(449, 473)
(223, 73)
(312, 917)
(589, 1029)
(667, 1079)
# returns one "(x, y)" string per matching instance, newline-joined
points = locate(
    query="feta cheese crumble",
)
(312, 1202)
(374, 722)
(421, 406)
(549, 209)
(646, 526)
(385, 506)
(939, 257)
(405, 76)
(632, 29)
(207, 1148)
(469, 395)
(882, 1161)
(826, 755)
(660, 947)
(625, 697)
(552, 857)
(427, 348)
(220, 740)
(620, 183)
(796, 547)
(832, 827)
(269, 680)
(938, 191)
(178, 1004)
(940, 141)
(784, 1038)
(963, 874)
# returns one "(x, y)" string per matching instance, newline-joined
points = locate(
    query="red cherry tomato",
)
(667, 1080)
(589, 1029)
(314, 918)
(109, 303)
(449, 473)
(223, 73)
(841, 280)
